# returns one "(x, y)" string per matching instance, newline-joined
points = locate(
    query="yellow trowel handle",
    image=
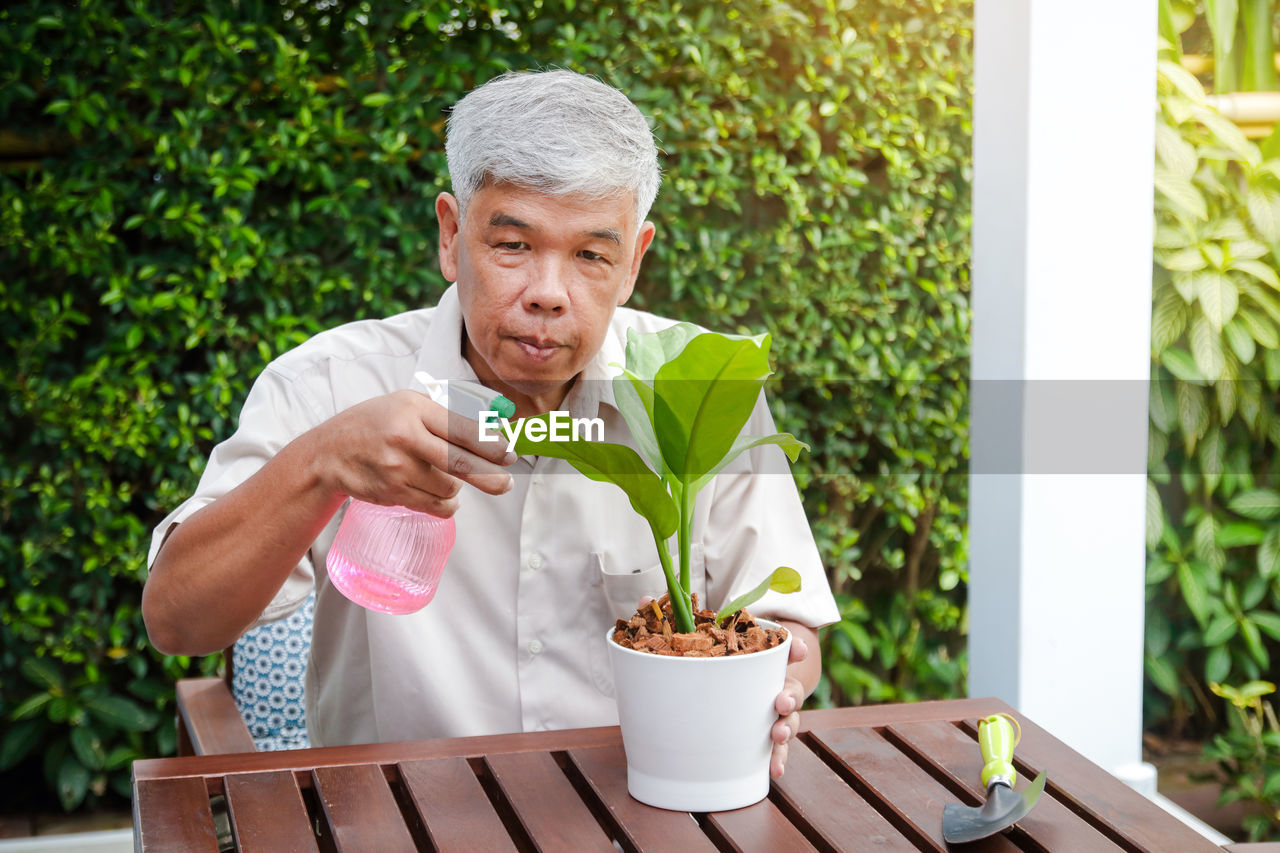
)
(997, 739)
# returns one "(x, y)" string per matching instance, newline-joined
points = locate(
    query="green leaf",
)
(1168, 321)
(1240, 341)
(29, 706)
(88, 747)
(1219, 299)
(1206, 348)
(784, 579)
(1259, 504)
(1217, 664)
(1269, 554)
(1193, 592)
(1175, 152)
(606, 462)
(43, 672)
(634, 399)
(1221, 629)
(1180, 363)
(1263, 203)
(789, 443)
(19, 740)
(1155, 516)
(121, 713)
(375, 99)
(647, 353)
(1228, 135)
(1268, 622)
(1253, 642)
(703, 398)
(1240, 533)
(1181, 193)
(1190, 259)
(1259, 270)
(1162, 675)
(1259, 328)
(73, 783)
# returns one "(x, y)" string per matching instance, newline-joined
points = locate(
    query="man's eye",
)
(592, 256)
(513, 245)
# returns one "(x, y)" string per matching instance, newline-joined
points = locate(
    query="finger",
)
(460, 431)
(458, 462)
(785, 728)
(799, 650)
(778, 761)
(790, 698)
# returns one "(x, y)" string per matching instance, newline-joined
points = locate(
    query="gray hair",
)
(557, 132)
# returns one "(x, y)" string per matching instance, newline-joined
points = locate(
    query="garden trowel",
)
(1003, 807)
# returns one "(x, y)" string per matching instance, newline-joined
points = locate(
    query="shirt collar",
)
(441, 356)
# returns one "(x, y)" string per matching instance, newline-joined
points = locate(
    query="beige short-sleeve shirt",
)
(514, 639)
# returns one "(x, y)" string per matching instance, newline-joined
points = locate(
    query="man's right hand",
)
(235, 553)
(404, 449)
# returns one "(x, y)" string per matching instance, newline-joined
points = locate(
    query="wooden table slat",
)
(454, 807)
(605, 770)
(391, 752)
(956, 754)
(761, 828)
(811, 792)
(1075, 779)
(916, 797)
(173, 814)
(547, 804)
(361, 810)
(268, 814)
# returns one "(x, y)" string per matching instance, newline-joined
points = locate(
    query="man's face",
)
(538, 278)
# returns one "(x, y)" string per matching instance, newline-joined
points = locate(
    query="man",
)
(553, 174)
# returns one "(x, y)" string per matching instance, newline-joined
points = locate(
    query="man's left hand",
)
(802, 676)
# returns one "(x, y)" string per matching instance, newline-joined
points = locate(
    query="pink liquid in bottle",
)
(389, 558)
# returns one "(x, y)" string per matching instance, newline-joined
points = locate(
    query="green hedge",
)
(1213, 572)
(208, 186)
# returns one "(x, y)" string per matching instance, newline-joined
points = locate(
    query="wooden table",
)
(871, 778)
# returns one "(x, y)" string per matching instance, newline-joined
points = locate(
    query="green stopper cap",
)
(504, 407)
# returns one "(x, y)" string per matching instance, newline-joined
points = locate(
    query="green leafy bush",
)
(1213, 573)
(1248, 757)
(187, 193)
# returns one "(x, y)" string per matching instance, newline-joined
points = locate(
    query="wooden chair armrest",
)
(209, 723)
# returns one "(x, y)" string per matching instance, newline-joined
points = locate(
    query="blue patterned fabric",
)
(270, 667)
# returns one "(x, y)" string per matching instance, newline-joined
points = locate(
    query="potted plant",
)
(686, 395)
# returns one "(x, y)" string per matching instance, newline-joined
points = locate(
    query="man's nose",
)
(546, 292)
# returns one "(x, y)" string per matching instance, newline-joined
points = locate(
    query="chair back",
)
(268, 669)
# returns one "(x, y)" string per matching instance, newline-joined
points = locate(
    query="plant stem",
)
(686, 517)
(679, 604)
(1259, 65)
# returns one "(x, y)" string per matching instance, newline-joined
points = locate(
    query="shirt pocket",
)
(623, 589)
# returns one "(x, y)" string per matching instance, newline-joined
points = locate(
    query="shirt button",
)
(537, 480)
(535, 647)
(535, 562)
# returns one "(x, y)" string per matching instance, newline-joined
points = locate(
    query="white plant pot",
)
(696, 730)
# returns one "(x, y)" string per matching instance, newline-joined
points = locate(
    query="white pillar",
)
(1064, 111)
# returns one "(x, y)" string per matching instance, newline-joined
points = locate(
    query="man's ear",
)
(450, 219)
(643, 240)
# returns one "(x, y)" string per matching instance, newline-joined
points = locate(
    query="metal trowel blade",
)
(1002, 810)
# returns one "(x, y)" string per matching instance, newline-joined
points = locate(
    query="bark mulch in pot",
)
(652, 630)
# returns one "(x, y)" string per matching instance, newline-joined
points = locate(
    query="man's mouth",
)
(538, 349)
